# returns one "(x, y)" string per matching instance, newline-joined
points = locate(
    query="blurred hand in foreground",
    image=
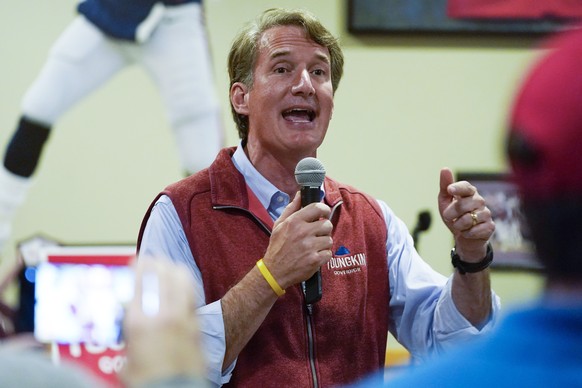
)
(160, 328)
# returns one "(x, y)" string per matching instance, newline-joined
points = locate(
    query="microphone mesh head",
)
(309, 172)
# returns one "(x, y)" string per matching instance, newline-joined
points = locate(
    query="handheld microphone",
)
(310, 174)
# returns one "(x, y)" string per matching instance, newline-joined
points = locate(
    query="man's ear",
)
(239, 98)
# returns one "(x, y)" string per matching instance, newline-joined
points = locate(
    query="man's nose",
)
(303, 84)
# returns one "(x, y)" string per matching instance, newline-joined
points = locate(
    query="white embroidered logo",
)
(347, 263)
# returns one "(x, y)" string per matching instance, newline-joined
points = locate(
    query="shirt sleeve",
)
(164, 237)
(423, 316)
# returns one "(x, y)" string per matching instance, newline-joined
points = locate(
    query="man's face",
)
(291, 101)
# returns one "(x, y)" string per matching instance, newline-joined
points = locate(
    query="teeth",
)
(308, 112)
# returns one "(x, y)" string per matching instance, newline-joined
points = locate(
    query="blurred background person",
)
(535, 345)
(25, 363)
(167, 38)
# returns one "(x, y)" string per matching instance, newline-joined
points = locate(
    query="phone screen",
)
(81, 302)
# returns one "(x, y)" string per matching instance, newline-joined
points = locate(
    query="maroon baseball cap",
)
(545, 135)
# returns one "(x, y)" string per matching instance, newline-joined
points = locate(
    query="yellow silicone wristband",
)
(269, 278)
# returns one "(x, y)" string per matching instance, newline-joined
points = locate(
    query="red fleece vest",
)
(350, 323)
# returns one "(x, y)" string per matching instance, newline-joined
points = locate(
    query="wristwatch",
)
(465, 267)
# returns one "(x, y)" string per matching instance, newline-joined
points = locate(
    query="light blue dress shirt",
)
(423, 316)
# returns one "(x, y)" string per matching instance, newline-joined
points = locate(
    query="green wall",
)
(407, 106)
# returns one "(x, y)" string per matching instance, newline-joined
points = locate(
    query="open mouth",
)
(299, 115)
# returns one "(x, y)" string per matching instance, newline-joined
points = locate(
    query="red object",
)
(90, 259)
(514, 9)
(104, 363)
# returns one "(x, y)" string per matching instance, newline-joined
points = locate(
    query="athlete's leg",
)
(178, 58)
(80, 60)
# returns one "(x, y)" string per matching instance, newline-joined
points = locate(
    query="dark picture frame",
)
(422, 16)
(511, 246)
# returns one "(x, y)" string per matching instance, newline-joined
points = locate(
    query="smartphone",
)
(80, 294)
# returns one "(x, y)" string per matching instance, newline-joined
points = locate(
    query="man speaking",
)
(250, 245)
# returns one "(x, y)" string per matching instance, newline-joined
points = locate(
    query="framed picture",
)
(461, 16)
(511, 245)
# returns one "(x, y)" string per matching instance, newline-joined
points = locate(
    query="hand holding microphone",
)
(301, 238)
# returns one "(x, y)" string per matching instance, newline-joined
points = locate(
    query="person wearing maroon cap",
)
(537, 345)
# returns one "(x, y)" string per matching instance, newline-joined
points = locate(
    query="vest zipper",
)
(309, 322)
(310, 344)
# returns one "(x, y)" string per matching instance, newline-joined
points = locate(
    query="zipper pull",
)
(308, 306)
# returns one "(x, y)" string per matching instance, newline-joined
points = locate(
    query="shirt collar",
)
(270, 197)
(273, 199)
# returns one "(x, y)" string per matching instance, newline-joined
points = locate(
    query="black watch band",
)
(465, 267)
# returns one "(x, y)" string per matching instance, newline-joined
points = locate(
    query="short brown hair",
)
(244, 51)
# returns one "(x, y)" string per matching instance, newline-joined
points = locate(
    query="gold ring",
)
(474, 217)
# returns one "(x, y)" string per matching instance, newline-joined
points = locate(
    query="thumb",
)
(445, 198)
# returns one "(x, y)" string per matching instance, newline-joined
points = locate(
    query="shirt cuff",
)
(452, 328)
(213, 343)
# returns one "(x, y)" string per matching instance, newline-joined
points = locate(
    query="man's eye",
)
(280, 70)
(319, 72)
